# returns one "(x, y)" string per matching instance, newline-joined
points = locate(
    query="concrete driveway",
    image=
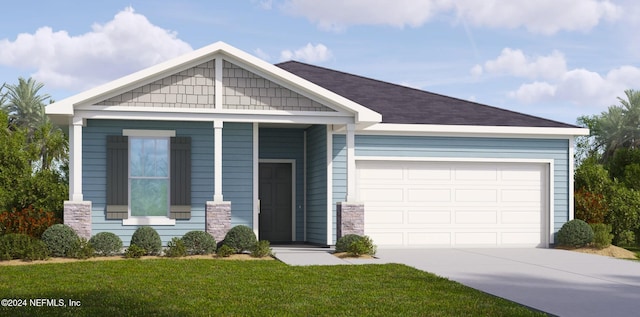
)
(558, 282)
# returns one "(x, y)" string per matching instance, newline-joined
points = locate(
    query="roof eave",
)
(471, 130)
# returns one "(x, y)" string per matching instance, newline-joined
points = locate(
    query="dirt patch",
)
(612, 251)
(237, 257)
(343, 255)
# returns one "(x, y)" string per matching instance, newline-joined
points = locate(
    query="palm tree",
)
(24, 105)
(618, 127)
(51, 145)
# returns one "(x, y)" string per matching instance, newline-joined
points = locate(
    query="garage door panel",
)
(521, 195)
(453, 203)
(387, 238)
(429, 238)
(474, 174)
(425, 174)
(476, 195)
(476, 217)
(373, 195)
(521, 217)
(429, 217)
(384, 217)
(429, 195)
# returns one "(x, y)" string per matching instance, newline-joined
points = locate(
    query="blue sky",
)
(557, 59)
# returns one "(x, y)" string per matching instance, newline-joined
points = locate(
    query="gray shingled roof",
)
(400, 104)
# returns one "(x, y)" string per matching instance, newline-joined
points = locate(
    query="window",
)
(148, 176)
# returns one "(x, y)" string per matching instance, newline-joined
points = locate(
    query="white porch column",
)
(217, 160)
(351, 163)
(75, 160)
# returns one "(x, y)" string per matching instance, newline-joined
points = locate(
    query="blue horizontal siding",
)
(287, 144)
(317, 184)
(94, 173)
(417, 146)
(339, 171)
(237, 172)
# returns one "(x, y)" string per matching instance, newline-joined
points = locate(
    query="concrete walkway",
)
(558, 282)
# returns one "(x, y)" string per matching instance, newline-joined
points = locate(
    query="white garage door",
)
(453, 204)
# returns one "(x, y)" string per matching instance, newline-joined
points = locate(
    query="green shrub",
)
(225, 251)
(575, 233)
(240, 238)
(134, 252)
(199, 242)
(602, 236)
(362, 246)
(345, 241)
(625, 238)
(22, 246)
(148, 239)
(175, 248)
(261, 249)
(82, 250)
(61, 240)
(106, 243)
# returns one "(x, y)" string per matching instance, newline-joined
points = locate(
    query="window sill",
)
(149, 221)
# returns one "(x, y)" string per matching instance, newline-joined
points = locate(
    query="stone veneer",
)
(246, 90)
(218, 219)
(77, 215)
(350, 219)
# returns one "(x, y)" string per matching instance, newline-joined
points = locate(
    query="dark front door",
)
(275, 202)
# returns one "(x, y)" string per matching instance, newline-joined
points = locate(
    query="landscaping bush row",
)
(60, 240)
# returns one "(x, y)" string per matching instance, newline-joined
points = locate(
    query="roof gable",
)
(251, 84)
(404, 105)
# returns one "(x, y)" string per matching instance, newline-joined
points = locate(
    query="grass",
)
(635, 249)
(179, 287)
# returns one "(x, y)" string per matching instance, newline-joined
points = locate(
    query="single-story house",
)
(218, 138)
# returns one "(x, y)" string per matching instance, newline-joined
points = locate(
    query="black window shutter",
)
(117, 177)
(180, 198)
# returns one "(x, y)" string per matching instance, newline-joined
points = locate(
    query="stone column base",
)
(77, 215)
(350, 219)
(218, 219)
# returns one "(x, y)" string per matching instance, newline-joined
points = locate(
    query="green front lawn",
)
(190, 287)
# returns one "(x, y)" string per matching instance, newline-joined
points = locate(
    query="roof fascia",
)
(472, 130)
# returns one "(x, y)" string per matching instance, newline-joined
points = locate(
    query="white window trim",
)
(148, 220)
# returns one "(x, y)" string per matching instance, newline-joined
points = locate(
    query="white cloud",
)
(309, 53)
(337, 15)
(515, 62)
(540, 16)
(123, 45)
(552, 81)
(535, 91)
(262, 54)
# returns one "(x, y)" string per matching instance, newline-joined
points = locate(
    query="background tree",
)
(607, 178)
(33, 152)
